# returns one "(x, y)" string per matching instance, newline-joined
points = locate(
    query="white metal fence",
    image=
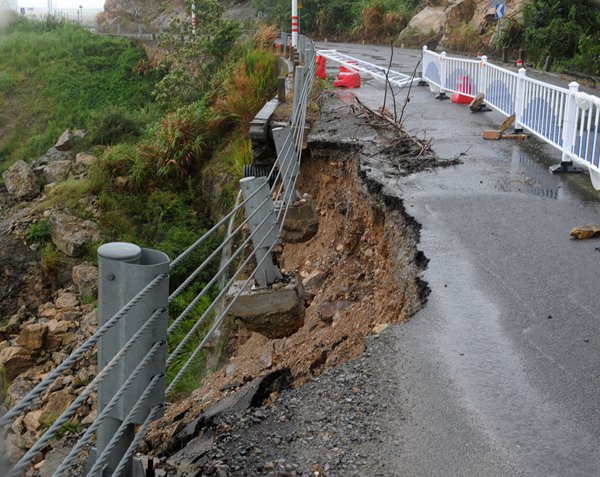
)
(565, 118)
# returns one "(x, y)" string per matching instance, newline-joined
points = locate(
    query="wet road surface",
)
(500, 371)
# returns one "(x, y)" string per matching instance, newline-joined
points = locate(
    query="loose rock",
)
(21, 181)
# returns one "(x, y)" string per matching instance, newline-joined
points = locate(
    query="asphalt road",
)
(500, 371)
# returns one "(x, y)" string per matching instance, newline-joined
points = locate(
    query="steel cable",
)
(182, 256)
(215, 252)
(112, 443)
(22, 464)
(37, 391)
(194, 328)
(89, 433)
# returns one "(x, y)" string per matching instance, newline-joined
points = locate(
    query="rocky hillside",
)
(157, 15)
(433, 22)
(440, 19)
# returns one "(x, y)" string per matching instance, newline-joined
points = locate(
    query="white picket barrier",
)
(565, 118)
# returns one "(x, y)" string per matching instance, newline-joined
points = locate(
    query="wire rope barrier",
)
(133, 331)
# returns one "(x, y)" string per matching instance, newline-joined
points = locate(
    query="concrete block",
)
(273, 312)
(259, 127)
(301, 222)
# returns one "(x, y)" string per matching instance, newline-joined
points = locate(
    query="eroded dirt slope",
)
(361, 273)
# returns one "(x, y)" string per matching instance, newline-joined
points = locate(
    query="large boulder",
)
(15, 360)
(85, 160)
(51, 155)
(65, 141)
(57, 171)
(429, 20)
(21, 181)
(71, 235)
(32, 336)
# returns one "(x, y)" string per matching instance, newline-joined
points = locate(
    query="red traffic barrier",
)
(348, 80)
(463, 86)
(321, 63)
(519, 62)
(347, 71)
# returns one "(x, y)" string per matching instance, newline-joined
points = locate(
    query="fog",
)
(6, 17)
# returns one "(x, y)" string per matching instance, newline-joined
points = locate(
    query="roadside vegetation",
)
(568, 31)
(55, 75)
(372, 20)
(170, 137)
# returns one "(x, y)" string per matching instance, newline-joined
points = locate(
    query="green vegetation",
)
(347, 19)
(569, 31)
(52, 259)
(40, 231)
(55, 75)
(170, 138)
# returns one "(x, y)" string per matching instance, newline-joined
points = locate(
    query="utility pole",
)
(194, 18)
(49, 7)
(295, 23)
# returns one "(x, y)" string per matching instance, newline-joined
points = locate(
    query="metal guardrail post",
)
(263, 226)
(520, 100)
(286, 149)
(299, 75)
(483, 75)
(124, 270)
(284, 42)
(301, 52)
(568, 132)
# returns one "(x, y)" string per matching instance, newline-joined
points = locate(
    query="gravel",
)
(332, 426)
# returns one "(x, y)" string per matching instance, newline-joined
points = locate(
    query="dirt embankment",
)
(361, 273)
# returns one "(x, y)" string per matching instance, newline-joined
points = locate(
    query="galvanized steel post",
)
(286, 150)
(299, 74)
(124, 270)
(260, 211)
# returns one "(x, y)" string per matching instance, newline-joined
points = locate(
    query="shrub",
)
(569, 31)
(253, 80)
(465, 38)
(178, 144)
(111, 126)
(40, 231)
(51, 260)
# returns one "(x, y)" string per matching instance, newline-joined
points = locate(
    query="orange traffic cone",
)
(321, 63)
(344, 71)
(349, 80)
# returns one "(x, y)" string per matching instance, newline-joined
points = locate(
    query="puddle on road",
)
(529, 176)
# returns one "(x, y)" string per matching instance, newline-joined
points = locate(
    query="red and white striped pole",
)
(295, 23)
(194, 18)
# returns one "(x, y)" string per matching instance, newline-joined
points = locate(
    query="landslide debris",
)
(361, 273)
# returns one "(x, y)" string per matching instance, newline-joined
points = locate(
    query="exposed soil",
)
(361, 273)
(21, 283)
